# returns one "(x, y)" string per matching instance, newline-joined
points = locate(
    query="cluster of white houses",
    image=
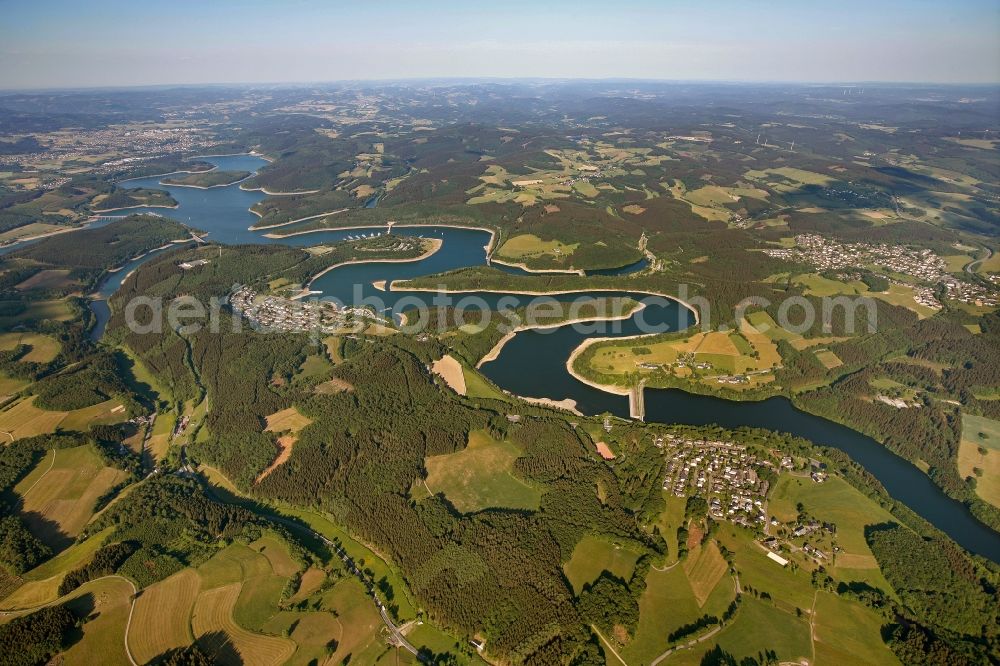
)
(922, 264)
(296, 316)
(724, 473)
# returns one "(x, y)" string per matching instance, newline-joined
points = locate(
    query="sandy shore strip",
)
(393, 286)
(188, 159)
(148, 252)
(26, 239)
(523, 267)
(489, 247)
(205, 187)
(450, 370)
(252, 153)
(435, 245)
(111, 210)
(276, 194)
(360, 227)
(607, 388)
(285, 224)
(389, 225)
(492, 354)
(567, 404)
(161, 175)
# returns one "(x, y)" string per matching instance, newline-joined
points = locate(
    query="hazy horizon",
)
(119, 44)
(445, 80)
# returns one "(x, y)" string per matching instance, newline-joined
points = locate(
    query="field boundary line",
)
(608, 644)
(51, 465)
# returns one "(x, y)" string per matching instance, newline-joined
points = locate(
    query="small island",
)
(206, 180)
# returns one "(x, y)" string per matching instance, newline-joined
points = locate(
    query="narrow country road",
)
(397, 637)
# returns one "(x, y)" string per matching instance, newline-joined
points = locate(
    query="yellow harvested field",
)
(450, 370)
(766, 348)
(287, 420)
(23, 419)
(528, 245)
(904, 296)
(34, 593)
(311, 579)
(980, 449)
(277, 555)
(213, 612)
(715, 343)
(856, 561)
(9, 386)
(634, 209)
(48, 279)
(804, 343)
(44, 348)
(32, 229)
(333, 385)
(109, 411)
(64, 496)
(102, 640)
(708, 357)
(705, 567)
(162, 616)
(828, 359)
(481, 476)
(799, 176)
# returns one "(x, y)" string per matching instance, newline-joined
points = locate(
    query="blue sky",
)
(96, 43)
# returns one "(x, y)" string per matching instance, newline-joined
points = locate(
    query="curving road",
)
(397, 637)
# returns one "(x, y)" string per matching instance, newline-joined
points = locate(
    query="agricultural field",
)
(59, 496)
(582, 173)
(828, 359)
(758, 626)
(668, 603)
(56, 279)
(231, 606)
(44, 348)
(529, 246)
(287, 420)
(846, 632)
(594, 554)
(785, 179)
(713, 202)
(643, 185)
(979, 455)
(41, 584)
(30, 231)
(23, 419)
(837, 502)
(704, 357)
(161, 618)
(35, 311)
(481, 476)
(214, 627)
(104, 604)
(704, 568)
